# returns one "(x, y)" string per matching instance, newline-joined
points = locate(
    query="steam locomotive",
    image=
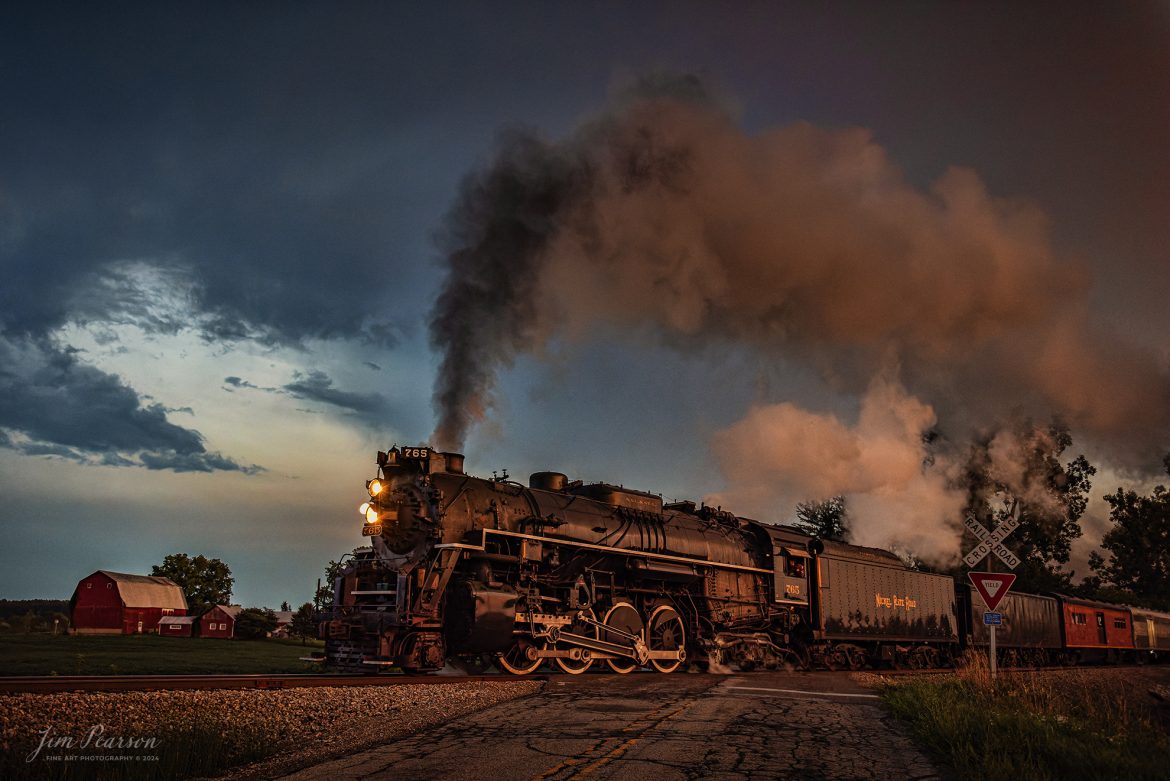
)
(473, 571)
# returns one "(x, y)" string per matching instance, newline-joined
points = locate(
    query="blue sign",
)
(993, 619)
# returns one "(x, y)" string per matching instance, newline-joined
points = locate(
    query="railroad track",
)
(112, 683)
(123, 683)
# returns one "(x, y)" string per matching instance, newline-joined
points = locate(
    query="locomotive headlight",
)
(371, 515)
(364, 508)
(374, 487)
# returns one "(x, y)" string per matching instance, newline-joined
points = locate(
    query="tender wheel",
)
(856, 658)
(578, 666)
(520, 659)
(666, 633)
(835, 660)
(624, 618)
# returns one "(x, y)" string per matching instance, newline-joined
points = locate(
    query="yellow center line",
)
(618, 751)
(641, 725)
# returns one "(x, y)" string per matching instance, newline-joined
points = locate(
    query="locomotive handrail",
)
(627, 551)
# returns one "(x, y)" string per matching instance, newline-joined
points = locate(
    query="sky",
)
(226, 231)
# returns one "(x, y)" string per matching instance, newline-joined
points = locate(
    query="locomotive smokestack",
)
(454, 463)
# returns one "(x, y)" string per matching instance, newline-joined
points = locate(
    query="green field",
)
(44, 654)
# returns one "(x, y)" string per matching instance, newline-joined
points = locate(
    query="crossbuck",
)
(992, 541)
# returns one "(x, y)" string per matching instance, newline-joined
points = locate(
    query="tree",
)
(1022, 465)
(1139, 547)
(304, 622)
(828, 519)
(284, 608)
(205, 582)
(325, 592)
(254, 623)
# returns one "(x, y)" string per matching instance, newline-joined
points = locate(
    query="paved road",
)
(653, 727)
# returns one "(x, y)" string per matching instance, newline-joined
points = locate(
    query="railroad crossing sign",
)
(992, 541)
(992, 586)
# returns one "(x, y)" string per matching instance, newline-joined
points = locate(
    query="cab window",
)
(795, 567)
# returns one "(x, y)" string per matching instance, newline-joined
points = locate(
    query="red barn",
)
(114, 603)
(220, 621)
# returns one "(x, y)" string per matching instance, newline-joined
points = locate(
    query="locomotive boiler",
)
(472, 571)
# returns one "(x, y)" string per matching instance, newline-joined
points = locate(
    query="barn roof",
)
(178, 619)
(231, 610)
(147, 590)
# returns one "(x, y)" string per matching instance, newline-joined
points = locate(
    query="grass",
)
(1067, 725)
(44, 654)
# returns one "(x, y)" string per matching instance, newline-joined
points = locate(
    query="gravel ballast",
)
(277, 730)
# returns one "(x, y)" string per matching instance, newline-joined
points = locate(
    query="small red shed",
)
(1096, 630)
(177, 626)
(114, 603)
(220, 621)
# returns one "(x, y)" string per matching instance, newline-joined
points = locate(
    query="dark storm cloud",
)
(148, 183)
(194, 462)
(317, 386)
(47, 449)
(261, 185)
(52, 404)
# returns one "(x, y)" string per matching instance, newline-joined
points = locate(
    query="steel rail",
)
(17, 684)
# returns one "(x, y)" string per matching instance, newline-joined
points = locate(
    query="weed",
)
(1072, 724)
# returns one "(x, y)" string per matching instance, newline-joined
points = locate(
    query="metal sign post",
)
(992, 587)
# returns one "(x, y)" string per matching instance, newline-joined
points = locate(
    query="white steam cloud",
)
(780, 454)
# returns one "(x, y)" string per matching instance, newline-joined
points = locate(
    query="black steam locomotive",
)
(470, 571)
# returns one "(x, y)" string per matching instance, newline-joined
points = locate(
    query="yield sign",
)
(992, 586)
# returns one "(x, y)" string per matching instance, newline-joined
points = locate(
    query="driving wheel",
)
(580, 665)
(621, 621)
(666, 633)
(521, 658)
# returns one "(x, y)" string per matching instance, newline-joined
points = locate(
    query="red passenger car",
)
(1096, 631)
